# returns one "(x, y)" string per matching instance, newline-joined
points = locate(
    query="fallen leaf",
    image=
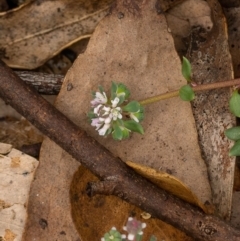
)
(34, 33)
(15, 186)
(122, 50)
(49, 206)
(209, 55)
(111, 211)
(170, 184)
(131, 57)
(233, 21)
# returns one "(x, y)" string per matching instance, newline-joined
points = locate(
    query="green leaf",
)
(134, 126)
(117, 133)
(101, 88)
(132, 106)
(125, 133)
(186, 93)
(233, 133)
(234, 103)
(153, 238)
(91, 115)
(235, 150)
(113, 90)
(123, 90)
(186, 69)
(138, 115)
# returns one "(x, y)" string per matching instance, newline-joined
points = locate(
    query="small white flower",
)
(104, 129)
(100, 98)
(96, 110)
(116, 113)
(131, 236)
(108, 120)
(132, 116)
(96, 122)
(144, 225)
(107, 114)
(106, 109)
(115, 102)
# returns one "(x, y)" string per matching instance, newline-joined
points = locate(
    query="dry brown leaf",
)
(212, 62)
(170, 184)
(37, 31)
(233, 20)
(95, 216)
(17, 173)
(207, 48)
(19, 132)
(49, 207)
(121, 50)
(182, 18)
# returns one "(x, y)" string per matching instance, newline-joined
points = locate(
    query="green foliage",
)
(117, 133)
(235, 150)
(120, 91)
(112, 235)
(233, 133)
(186, 93)
(234, 103)
(134, 126)
(132, 106)
(186, 69)
(153, 238)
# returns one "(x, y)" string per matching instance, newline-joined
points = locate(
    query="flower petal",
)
(104, 129)
(115, 102)
(101, 97)
(97, 109)
(132, 116)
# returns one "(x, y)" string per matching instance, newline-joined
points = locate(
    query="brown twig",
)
(126, 184)
(198, 88)
(48, 84)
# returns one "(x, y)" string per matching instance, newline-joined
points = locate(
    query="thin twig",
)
(198, 88)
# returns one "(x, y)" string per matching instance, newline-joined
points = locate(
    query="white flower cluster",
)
(107, 115)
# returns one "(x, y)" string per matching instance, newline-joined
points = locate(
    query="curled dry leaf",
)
(37, 31)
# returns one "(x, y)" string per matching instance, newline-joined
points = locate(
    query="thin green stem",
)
(198, 88)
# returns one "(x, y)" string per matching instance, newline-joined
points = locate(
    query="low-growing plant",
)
(134, 230)
(117, 116)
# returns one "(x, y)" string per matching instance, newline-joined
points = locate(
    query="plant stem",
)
(198, 88)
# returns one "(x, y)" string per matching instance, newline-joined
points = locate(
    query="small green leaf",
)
(153, 238)
(138, 115)
(233, 133)
(235, 150)
(186, 69)
(91, 115)
(123, 90)
(186, 93)
(134, 126)
(125, 133)
(234, 103)
(101, 88)
(117, 133)
(113, 90)
(132, 106)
